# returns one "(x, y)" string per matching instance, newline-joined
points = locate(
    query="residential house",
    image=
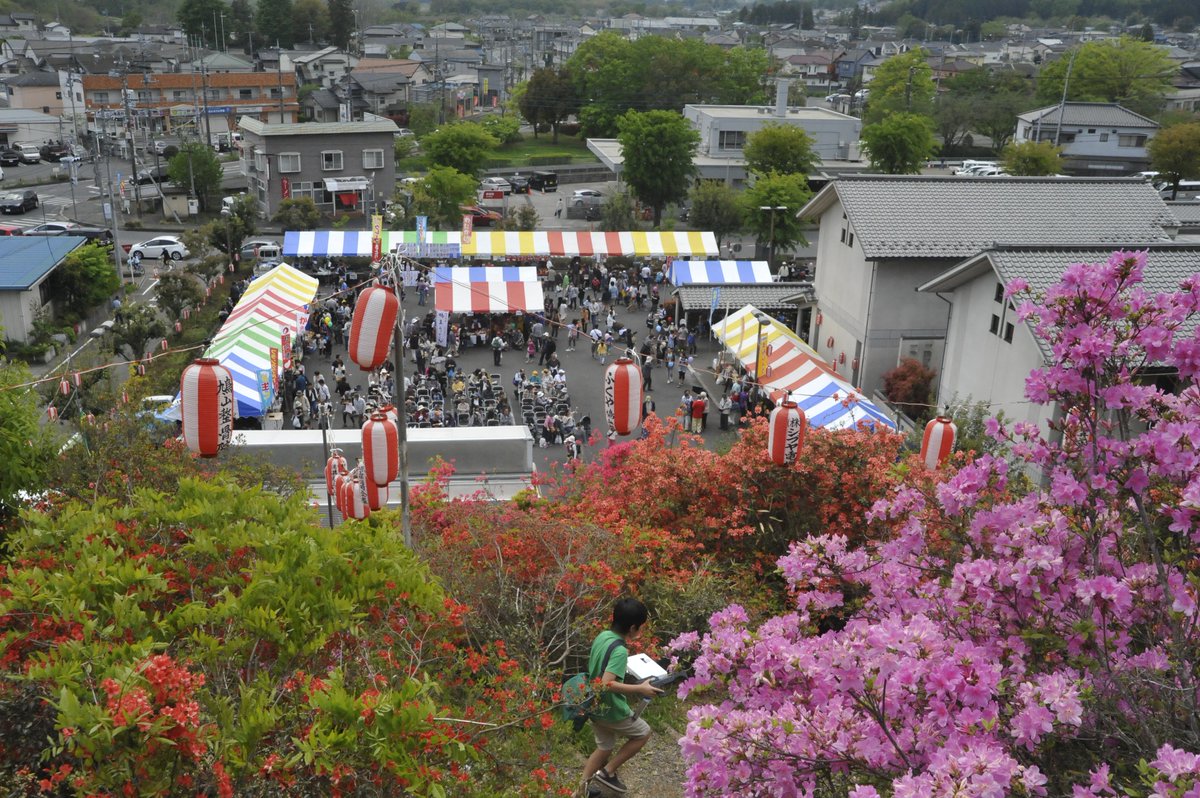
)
(1097, 138)
(384, 92)
(849, 65)
(25, 268)
(326, 67)
(345, 167)
(18, 23)
(815, 69)
(989, 351)
(22, 126)
(880, 237)
(221, 62)
(321, 105)
(37, 91)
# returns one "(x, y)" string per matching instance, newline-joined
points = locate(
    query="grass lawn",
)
(529, 153)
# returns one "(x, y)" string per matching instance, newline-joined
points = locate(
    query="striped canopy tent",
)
(277, 300)
(718, 272)
(357, 243)
(567, 243)
(795, 370)
(487, 289)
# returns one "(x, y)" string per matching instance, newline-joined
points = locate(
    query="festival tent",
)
(487, 289)
(796, 370)
(276, 301)
(501, 244)
(357, 243)
(718, 272)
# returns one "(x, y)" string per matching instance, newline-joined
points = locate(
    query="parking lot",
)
(546, 203)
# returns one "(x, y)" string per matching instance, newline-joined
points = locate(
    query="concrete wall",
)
(899, 316)
(16, 312)
(843, 286)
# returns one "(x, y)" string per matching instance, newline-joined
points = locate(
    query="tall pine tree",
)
(341, 23)
(274, 22)
(241, 23)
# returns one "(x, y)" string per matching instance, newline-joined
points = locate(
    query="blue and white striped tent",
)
(718, 272)
(485, 274)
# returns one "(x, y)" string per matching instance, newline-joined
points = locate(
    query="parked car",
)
(481, 217)
(30, 153)
(519, 183)
(544, 181)
(10, 157)
(585, 196)
(496, 184)
(100, 234)
(261, 248)
(53, 152)
(155, 174)
(10, 230)
(19, 201)
(160, 147)
(154, 247)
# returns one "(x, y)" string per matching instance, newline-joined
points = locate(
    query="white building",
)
(883, 236)
(989, 353)
(1097, 138)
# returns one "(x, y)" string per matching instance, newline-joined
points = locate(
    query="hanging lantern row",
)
(938, 441)
(371, 327)
(786, 429)
(623, 396)
(335, 466)
(381, 449)
(52, 413)
(206, 406)
(354, 496)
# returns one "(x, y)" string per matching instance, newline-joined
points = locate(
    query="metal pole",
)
(401, 412)
(1062, 103)
(325, 445)
(131, 141)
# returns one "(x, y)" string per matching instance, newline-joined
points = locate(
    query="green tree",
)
(618, 212)
(952, 118)
(175, 291)
(462, 146)
(235, 226)
(196, 165)
(341, 23)
(902, 84)
(776, 147)
(806, 18)
(26, 447)
(715, 207)
(1175, 154)
(526, 218)
(1133, 73)
(133, 330)
(273, 23)
(1032, 158)
(505, 129)
(85, 278)
(298, 213)
(658, 148)
(310, 21)
(761, 204)
(131, 21)
(240, 23)
(549, 98)
(196, 18)
(441, 195)
(900, 144)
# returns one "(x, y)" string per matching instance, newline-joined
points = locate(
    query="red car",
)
(481, 217)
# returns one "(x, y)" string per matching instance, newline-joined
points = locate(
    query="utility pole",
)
(279, 72)
(204, 87)
(131, 141)
(1063, 102)
(907, 91)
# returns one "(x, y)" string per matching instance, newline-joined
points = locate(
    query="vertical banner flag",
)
(274, 368)
(713, 308)
(762, 366)
(422, 223)
(285, 188)
(285, 343)
(468, 227)
(441, 326)
(376, 237)
(266, 393)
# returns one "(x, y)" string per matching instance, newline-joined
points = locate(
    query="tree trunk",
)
(554, 131)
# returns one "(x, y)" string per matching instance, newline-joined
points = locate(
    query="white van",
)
(972, 167)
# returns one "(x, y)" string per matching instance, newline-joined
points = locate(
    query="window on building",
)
(289, 162)
(1131, 141)
(731, 140)
(260, 160)
(995, 325)
(275, 93)
(331, 160)
(372, 159)
(302, 188)
(213, 94)
(144, 96)
(1008, 332)
(100, 96)
(998, 295)
(1103, 137)
(58, 95)
(245, 94)
(179, 95)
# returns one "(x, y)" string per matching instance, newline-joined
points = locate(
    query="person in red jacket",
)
(699, 407)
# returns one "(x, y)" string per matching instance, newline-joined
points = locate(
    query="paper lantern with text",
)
(381, 449)
(206, 406)
(371, 327)
(785, 433)
(938, 441)
(354, 497)
(335, 465)
(623, 395)
(339, 484)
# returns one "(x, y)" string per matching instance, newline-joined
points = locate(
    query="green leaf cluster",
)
(463, 146)
(900, 144)
(658, 148)
(86, 277)
(1126, 71)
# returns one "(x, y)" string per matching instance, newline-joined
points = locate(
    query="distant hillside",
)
(1180, 14)
(93, 16)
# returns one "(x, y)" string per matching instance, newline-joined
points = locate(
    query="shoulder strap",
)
(607, 654)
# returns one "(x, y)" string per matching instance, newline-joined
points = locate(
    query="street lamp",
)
(772, 209)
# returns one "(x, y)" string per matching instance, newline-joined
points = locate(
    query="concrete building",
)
(881, 237)
(18, 126)
(1097, 138)
(25, 268)
(343, 166)
(989, 352)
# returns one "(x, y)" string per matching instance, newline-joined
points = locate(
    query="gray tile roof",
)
(1099, 114)
(955, 217)
(1188, 213)
(736, 295)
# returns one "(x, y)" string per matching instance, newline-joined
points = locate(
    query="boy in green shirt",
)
(614, 716)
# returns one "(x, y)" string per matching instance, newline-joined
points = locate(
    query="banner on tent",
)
(441, 326)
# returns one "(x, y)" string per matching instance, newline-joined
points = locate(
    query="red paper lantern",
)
(164, 344)
(187, 313)
(90, 418)
(178, 326)
(354, 498)
(141, 370)
(52, 413)
(206, 406)
(381, 449)
(820, 318)
(938, 441)
(623, 395)
(339, 485)
(334, 466)
(377, 495)
(371, 328)
(391, 412)
(842, 357)
(785, 433)
(64, 387)
(829, 342)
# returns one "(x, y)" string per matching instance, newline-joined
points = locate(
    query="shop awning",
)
(564, 243)
(795, 370)
(708, 272)
(277, 300)
(337, 184)
(357, 243)
(495, 297)
(732, 296)
(485, 274)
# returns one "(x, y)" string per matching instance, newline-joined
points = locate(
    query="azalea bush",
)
(980, 636)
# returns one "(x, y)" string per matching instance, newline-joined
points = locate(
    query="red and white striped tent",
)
(487, 289)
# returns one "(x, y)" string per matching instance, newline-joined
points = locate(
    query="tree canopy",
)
(462, 146)
(1032, 158)
(776, 147)
(441, 194)
(900, 144)
(715, 206)
(769, 208)
(902, 84)
(1127, 71)
(85, 278)
(1175, 154)
(550, 96)
(195, 165)
(658, 148)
